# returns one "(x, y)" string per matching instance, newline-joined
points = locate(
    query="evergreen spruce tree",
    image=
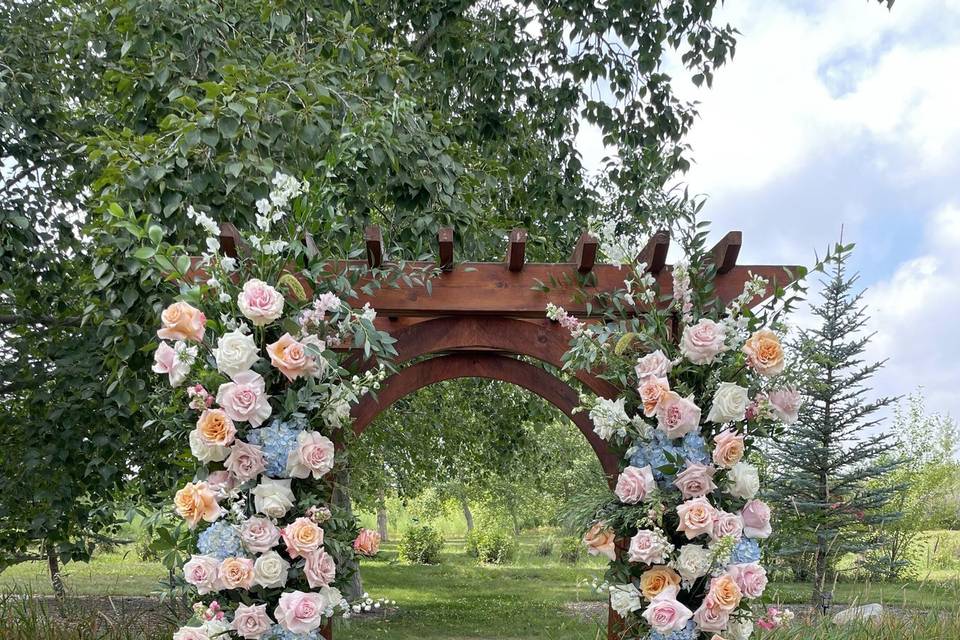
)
(828, 463)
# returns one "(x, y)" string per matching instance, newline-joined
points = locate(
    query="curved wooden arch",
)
(491, 366)
(541, 339)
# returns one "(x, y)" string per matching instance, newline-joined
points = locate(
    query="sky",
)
(843, 114)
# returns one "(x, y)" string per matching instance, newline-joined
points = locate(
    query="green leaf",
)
(144, 253)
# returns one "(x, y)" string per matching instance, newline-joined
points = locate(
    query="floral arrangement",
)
(258, 388)
(699, 391)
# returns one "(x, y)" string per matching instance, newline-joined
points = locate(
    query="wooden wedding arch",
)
(487, 320)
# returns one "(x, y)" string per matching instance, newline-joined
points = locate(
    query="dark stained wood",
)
(491, 366)
(231, 242)
(445, 238)
(516, 250)
(654, 253)
(585, 253)
(373, 237)
(726, 251)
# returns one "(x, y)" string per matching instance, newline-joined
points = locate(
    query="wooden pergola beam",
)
(516, 249)
(585, 253)
(373, 238)
(654, 253)
(231, 242)
(726, 251)
(445, 239)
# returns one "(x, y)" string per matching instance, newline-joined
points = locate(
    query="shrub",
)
(571, 550)
(471, 543)
(495, 546)
(545, 547)
(421, 545)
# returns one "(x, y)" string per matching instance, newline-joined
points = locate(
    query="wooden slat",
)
(654, 253)
(725, 252)
(231, 242)
(516, 250)
(373, 237)
(445, 238)
(585, 253)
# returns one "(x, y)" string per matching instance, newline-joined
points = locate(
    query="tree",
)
(827, 470)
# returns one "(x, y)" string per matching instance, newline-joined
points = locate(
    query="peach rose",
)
(215, 428)
(696, 480)
(756, 520)
(196, 502)
(245, 398)
(313, 456)
(291, 357)
(302, 536)
(300, 612)
(703, 341)
(635, 484)
(696, 517)
(245, 461)
(677, 416)
(724, 593)
(655, 364)
(259, 302)
(727, 449)
(600, 540)
(658, 579)
(367, 543)
(711, 618)
(651, 390)
(750, 577)
(320, 569)
(666, 615)
(764, 353)
(251, 621)
(182, 322)
(236, 573)
(727, 524)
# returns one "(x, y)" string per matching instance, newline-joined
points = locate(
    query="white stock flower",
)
(743, 481)
(235, 353)
(609, 417)
(270, 570)
(729, 403)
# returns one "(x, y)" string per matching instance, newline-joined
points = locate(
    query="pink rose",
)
(259, 302)
(245, 461)
(251, 621)
(666, 615)
(320, 569)
(756, 520)
(711, 618)
(784, 403)
(165, 360)
(696, 517)
(245, 399)
(701, 342)
(291, 357)
(635, 484)
(367, 543)
(653, 364)
(300, 612)
(191, 633)
(221, 481)
(313, 456)
(600, 540)
(652, 390)
(750, 577)
(259, 535)
(696, 480)
(236, 573)
(727, 449)
(182, 322)
(302, 537)
(727, 524)
(677, 416)
(648, 547)
(201, 572)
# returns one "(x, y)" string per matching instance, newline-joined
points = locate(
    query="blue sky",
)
(842, 113)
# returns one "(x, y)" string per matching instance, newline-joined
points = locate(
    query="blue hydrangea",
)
(220, 540)
(653, 453)
(689, 632)
(276, 440)
(277, 632)
(695, 448)
(746, 550)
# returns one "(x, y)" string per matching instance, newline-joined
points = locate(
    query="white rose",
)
(206, 452)
(729, 403)
(235, 353)
(693, 562)
(740, 629)
(270, 570)
(625, 598)
(743, 481)
(273, 497)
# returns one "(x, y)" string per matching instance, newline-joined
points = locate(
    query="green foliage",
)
(494, 546)
(545, 547)
(421, 545)
(571, 549)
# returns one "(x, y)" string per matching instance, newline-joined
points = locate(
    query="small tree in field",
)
(830, 461)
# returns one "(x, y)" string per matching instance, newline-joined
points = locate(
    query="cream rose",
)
(236, 573)
(201, 572)
(677, 416)
(695, 481)
(259, 535)
(600, 540)
(696, 517)
(703, 341)
(764, 353)
(635, 485)
(693, 562)
(756, 520)
(729, 403)
(270, 570)
(196, 502)
(259, 302)
(273, 497)
(302, 536)
(236, 352)
(320, 569)
(245, 461)
(313, 456)
(654, 364)
(727, 449)
(245, 398)
(625, 598)
(182, 322)
(251, 621)
(743, 481)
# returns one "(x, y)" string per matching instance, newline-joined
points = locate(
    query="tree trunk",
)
(820, 570)
(341, 498)
(53, 564)
(467, 514)
(382, 516)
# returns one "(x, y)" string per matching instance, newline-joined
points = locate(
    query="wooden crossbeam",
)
(516, 250)
(654, 253)
(445, 238)
(373, 237)
(725, 252)
(231, 242)
(585, 253)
